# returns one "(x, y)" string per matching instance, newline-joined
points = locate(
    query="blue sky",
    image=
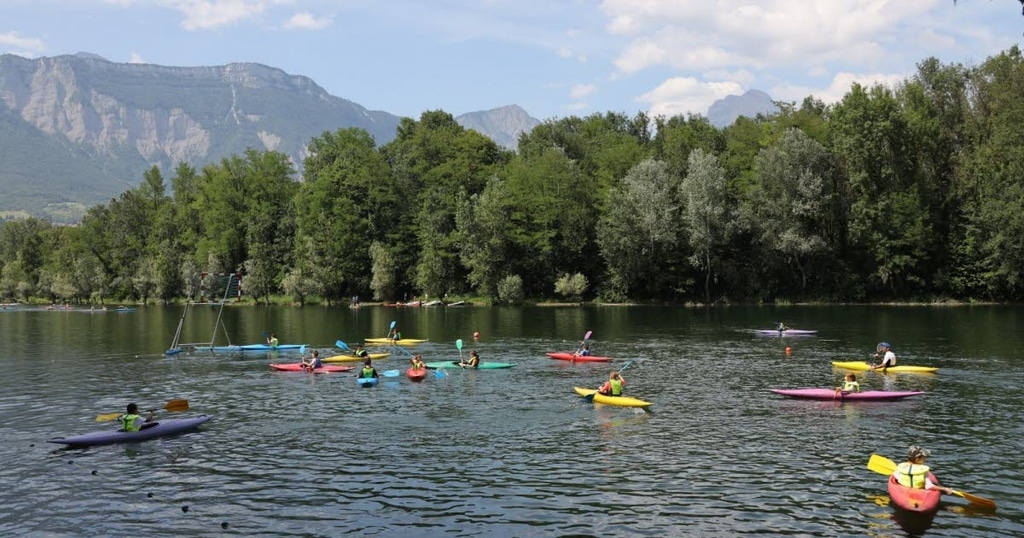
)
(555, 58)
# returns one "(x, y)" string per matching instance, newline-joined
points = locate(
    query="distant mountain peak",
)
(726, 111)
(503, 124)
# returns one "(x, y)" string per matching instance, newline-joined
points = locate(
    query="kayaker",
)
(368, 369)
(272, 340)
(913, 473)
(313, 362)
(585, 352)
(783, 327)
(393, 334)
(473, 362)
(360, 352)
(850, 384)
(614, 385)
(888, 360)
(131, 421)
(417, 362)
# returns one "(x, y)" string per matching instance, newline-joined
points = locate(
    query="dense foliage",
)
(911, 193)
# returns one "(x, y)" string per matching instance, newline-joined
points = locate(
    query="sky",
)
(554, 58)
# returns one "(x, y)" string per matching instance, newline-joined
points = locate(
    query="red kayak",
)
(416, 375)
(914, 499)
(572, 357)
(297, 367)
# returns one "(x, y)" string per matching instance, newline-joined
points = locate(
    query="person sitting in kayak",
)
(360, 352)
(368, 369)
(131, 421)
(614, 385)
(850, 384)
(783, 327)
(913, 473)
(585, 352)
(272, 340)
(888, 360)
(417, 362)
(313, 361)
(473, 362)
(393, 334)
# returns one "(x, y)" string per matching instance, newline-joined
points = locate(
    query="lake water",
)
(510, 452)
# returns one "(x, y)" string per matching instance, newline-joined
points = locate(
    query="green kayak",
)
(483, 365)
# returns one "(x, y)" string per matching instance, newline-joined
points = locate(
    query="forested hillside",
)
(912, 193)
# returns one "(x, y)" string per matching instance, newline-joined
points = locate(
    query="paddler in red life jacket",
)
(130, 421)
(613, 387)
(913, 473)
(368, 369)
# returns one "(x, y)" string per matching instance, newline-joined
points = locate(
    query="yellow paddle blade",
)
(974, 499)
(108, 417)
(177, 405)
(881, 464)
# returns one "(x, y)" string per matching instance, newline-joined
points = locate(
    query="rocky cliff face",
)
(79, 130)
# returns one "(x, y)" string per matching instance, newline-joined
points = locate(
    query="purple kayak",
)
(161, 428)
(830, 394)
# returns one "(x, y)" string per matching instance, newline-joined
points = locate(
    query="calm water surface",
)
(510, 452)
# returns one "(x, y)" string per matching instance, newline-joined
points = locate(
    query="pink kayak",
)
(830, 394)
(571, 357)
(914, 499)
(297, 367)
(416, 375)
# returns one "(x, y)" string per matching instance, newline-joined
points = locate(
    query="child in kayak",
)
(131, 421)
(473, 362)
(585, 352)
(272, 340)
(913, 473)
(614, 385)
(360, 352)
(417, 362)
(850, 384)
(368, 369)
(313, 361)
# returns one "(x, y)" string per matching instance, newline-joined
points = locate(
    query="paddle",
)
(883, 465)
(590, 397)
(341, 345)
(390, 373)
(391, 329)
(458, 344)
(173, 405)
(586, 337)
(440, 373)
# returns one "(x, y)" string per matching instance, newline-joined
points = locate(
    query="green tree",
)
(708, 220)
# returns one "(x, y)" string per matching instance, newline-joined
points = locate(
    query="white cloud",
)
(839, 87)
(740, 75)
(682, 95)
(306, 21)
(209, 14)
(14, 41)
(580, 91)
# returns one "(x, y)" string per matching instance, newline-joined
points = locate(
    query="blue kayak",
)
(161, 428)
(258, 347)
(367, 381)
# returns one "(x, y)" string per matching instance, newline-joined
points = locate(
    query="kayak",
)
(861, 366)
(259, 347)
(152, 430)
(562, 356)
(481, 366)
(830, 394)
(914, 499)
(393, 342)
(621, 401)
(353, 358)
(416, 375)
(367, 381)
(787, 332)
(297, 367)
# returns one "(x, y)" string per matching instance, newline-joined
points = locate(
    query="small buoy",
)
(70, 462)
(95, 472)
(476, 335)
(184, 508)
(149, 495)
(788, 350)
(223, 524)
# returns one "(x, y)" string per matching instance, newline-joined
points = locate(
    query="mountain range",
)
(78, 130)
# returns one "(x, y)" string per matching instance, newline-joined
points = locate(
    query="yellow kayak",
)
(392, 342)
(861, 366)
(622, 401)
(353, 358)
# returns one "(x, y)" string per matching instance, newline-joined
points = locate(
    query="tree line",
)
(908, 193)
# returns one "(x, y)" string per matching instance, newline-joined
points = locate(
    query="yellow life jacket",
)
(616, 385)
(128, 422)
(912, 476)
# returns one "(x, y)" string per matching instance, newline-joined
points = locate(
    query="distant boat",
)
(434, 303)
(457, 303)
